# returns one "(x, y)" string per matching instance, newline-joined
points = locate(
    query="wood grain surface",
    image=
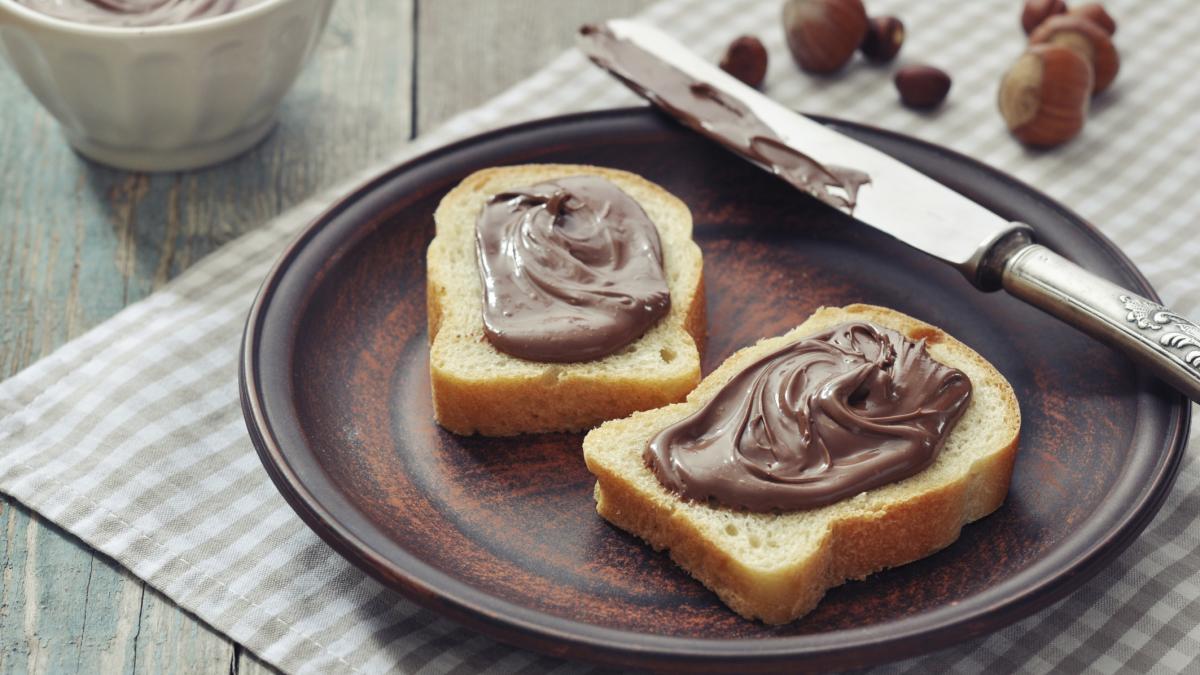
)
(79, 241)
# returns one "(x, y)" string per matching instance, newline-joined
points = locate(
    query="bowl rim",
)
(54, 23)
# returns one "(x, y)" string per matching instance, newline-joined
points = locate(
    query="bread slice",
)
(478, 389)
(776, 567)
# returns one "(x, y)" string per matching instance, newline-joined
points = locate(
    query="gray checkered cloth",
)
(131, 437)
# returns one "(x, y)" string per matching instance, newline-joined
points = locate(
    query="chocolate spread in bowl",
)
(572, 270)
(819, 420)
(136, 13)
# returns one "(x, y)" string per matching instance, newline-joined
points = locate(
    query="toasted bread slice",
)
(776, 567)
(478, 389)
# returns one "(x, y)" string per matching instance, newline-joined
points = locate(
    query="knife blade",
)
(877, 189)
(942, 222)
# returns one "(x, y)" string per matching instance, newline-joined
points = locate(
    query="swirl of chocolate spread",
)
(705, 109)
(135, 13)
(572, 270)
(815, 422)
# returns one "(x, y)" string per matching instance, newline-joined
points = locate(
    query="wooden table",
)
(79, 241)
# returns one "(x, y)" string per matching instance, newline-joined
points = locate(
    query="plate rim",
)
(516, 624)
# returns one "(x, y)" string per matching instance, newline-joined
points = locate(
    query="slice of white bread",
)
(478, 389)
(776, 567)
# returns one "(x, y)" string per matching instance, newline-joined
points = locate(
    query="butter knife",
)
(991, 252)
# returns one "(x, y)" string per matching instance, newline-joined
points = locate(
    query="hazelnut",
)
(824, 34)
(1037, 11)
(746, 59)
(1087, 39)
(922, 87)
(1044, 96)
(1094, 12)
(885, 35)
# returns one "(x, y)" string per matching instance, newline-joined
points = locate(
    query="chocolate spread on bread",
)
(572, 270)
(139, 13)
(706, 110)
(817, 421)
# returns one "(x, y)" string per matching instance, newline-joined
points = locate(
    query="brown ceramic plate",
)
(502, 536)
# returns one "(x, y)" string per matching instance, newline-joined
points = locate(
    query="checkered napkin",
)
(131, 437)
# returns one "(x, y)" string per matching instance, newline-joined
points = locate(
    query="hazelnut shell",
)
(1095, 12)
(1044, 96)
(746, 59)
(1037, 11)
(824, 34)
(922, 87)
(1087, 39)
(885, 36)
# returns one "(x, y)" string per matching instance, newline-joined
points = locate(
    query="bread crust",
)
(881, 528)
(478, 389)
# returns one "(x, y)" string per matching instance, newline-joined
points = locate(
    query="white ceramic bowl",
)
(166, 97)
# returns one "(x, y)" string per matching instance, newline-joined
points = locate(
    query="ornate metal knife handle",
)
(1164, 342)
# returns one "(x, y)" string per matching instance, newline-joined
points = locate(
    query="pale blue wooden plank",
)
(79, 241)
(57, 607)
